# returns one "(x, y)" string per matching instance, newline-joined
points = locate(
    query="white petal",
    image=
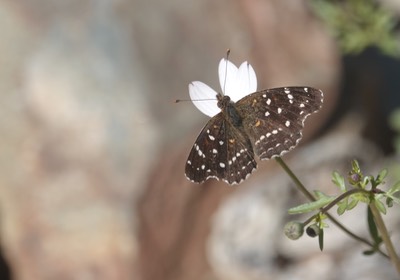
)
(228, 74)
(204, 98)
(247, 80)
(237, 83)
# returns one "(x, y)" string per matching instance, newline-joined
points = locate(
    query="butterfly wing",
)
(221, 151)
(274, 118)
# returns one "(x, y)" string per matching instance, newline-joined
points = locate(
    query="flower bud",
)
(294, 230)
(313, 230)
(354, 178)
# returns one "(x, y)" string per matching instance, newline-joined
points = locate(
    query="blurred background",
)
(93, 146)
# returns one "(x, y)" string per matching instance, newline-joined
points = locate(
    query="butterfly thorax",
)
(229, 110)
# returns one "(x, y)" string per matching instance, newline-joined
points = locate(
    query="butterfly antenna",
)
(228, 51)
(191, 100)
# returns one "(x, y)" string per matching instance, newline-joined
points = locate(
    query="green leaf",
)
(369, 252)
(355, 166)
(311, 206)
(320, 195)
(342, 206)
(381, 176)
(363, 197)
(321, 240)
(392, 198)
(381, 207)
(366, 180)
(389, 202)
(395, 188)
(392, 195)
(373, 230)
(353, 203)
(338, 180)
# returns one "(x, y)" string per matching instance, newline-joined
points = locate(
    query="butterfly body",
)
(229, 110)
(267, 123)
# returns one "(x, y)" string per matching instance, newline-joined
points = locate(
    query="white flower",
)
(235, 83)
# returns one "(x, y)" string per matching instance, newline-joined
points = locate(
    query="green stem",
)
(299, 185)
(303, 189)
(341, 197)
(385, 236)
(325, 209)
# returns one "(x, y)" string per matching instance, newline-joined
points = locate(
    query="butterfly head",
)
(223, 101)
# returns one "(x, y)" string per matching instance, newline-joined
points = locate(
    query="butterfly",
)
(245, 123)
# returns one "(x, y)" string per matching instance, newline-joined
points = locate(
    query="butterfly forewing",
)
(221, 151)
(274, 118)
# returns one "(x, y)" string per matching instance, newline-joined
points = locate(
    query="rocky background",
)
(93, 147)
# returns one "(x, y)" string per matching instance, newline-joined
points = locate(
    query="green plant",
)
(355, 189)
(358, 24)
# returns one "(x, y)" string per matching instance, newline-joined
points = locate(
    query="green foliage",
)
(322, 201)
(393, 195)
(317, 228)
(358, 188)
(373, 231)
(358, 24)
(321, 240)
(338, 180)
